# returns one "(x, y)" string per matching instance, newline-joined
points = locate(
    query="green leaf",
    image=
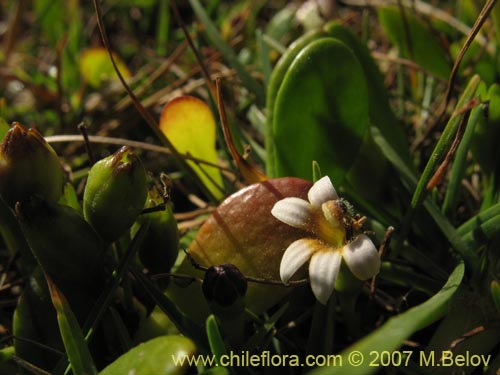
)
(391, 335)
(482, 228)
(165, 355)
(329, 122)
(76, 348)
(485, 141)
(217, 346)
(445, 141)
(275, 82)
(451, 198)
(414, 40)
(409, 180)
(381, 114)
(70, 198)
(190, 126)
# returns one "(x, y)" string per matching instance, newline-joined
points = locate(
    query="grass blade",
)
(74, 342)
(458, 169)
(444, 143)
(213, 34)
(215, 340)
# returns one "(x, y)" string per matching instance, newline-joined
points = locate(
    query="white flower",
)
(323, 217)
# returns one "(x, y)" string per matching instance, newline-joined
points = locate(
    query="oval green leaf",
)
(381, 114)
(165, 355)
(321, 111)
(275, 81)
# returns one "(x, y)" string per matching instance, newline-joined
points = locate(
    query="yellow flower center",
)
(329, 225)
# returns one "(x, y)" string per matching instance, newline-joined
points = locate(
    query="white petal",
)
(362, 257)
(296, 255)
(294, 211)
(323, 271)
(322, 191)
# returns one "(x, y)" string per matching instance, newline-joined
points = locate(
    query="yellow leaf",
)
(97, 69)
(190, 125)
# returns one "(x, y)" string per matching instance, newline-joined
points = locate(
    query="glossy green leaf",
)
(414, 40)
(190, 126)
(392, 334)
(275, 82)
(321, 112)
(97, 69)
(381, 114)
(165, 355)
(76, 348)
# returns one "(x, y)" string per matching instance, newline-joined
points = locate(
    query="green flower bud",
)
(115, 193)
(160, 246)
(63, 243)
(28, 166)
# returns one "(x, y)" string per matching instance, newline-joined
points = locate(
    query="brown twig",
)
(456, 65)
(383, 245)
(88, 147)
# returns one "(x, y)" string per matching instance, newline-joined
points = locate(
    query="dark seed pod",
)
(224, 285)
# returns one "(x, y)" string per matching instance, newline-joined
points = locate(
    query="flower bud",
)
(224, 285)
(28, 166)
(115, 193)
(160, 247)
